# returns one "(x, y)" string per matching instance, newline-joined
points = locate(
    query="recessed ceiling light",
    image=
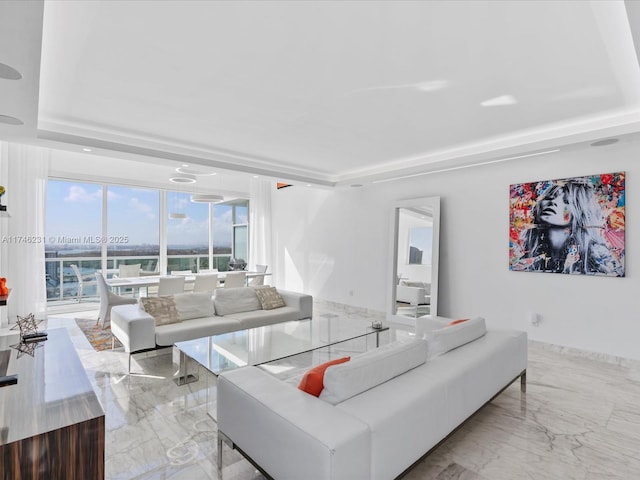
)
(308, 184)
(499, 101)
(256, 176)
(432, 86)
(193, 171)
(185, 165)
(606, 141)
(184, 178)
(86, 149)
(206, 198)
(9, 73)
(9, 120)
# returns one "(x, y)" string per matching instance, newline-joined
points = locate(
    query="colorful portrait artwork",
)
(573, 225)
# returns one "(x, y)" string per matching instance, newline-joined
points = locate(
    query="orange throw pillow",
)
(455, 322)
(313, 380)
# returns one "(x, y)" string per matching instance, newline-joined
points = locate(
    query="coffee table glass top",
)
(273, 342)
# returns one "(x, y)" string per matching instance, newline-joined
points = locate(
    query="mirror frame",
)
(393, 267)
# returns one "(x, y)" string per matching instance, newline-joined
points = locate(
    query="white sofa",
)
(413, 293)
(202, 315)
(382, 431)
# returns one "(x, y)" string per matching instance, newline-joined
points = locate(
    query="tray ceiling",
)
(326, 92)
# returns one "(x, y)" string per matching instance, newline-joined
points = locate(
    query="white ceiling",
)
(327, 92)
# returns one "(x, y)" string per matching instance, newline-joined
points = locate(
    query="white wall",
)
(335, 245)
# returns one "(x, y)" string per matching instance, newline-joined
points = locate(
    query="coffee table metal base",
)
(183, 377)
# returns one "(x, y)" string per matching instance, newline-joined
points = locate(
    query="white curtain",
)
(25, 170)
(260, 223)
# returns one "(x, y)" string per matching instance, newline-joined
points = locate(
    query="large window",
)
(85, 233)
(73, 228)
(133, 227)
(187, 233)
(241, 231)
(230, 233)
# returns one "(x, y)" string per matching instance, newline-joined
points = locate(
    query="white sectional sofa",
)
(385, 410)
(201, 315)
(413, 293)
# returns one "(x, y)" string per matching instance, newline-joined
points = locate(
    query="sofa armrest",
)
(134, 327)
(300, 301)
(269, 419)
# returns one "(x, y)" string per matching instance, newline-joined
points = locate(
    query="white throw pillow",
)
(445, 339)
(428, 323)
(194, 305)
(236, 300)
(372, 368)
(162, 309)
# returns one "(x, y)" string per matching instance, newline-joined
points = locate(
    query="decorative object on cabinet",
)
(27, 324)
(29, 329)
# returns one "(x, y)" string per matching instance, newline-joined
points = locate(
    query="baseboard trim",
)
(580, 353)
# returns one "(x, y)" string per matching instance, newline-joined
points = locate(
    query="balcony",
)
(62, 282)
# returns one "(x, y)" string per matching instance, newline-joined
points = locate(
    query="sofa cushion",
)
(372, 368)
(195, 328)
(235, 300)
(194, 305)
(162, 309)
(269, 298)
(452, 336)
(428, 323)
(312, 381)
(259, 318)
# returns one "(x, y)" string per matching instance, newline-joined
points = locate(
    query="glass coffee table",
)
(273, 342)
(262, 345)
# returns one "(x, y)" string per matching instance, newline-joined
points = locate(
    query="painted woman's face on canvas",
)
(554, 208)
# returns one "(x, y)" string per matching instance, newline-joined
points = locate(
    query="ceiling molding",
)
(152, 153)
(191, 188)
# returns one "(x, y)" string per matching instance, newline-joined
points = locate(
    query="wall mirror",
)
(413, 283)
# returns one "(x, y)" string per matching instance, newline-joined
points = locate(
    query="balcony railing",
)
(62, 282)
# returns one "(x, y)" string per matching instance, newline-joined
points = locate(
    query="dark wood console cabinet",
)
(51, 422)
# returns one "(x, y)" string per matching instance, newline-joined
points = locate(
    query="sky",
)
(422, 238)
(74, 210)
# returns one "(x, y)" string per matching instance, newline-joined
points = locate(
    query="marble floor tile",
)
(579, 420)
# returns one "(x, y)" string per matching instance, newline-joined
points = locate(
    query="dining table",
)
(136, 283)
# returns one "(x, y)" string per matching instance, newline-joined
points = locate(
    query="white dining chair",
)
(170, 285)
(109, 299)
(258, 279)
(235, 279)
(83, 281)
(206, 282)
(128, 271)
(188, 287)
